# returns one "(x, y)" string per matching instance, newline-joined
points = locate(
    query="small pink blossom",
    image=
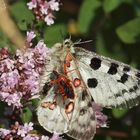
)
(100, 117)
(33, 4)
(49, 19)
(3, 95)
(42, 49)
(13, 99)
(44, 138)
(54, 5)
(4, 53)
(30, 36)
(6, 65)
(30, 137)
(56, 137)
(29, 126)
(44, 7)
(23, 130)
(4, 132)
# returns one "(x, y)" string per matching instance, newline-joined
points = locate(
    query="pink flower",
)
(43, 10)
(30, 137)
(42, 49)
(44, 7)
(6, 65)
(3, 95)
(49, 19)
(23, 130)
(44, 138)
(30, 36)
(54, 5)
(19, 77)
(33, 4)
(10, 79)
(4, 132)
(28, 127)
(14, 99)
(100, 117)
(3, 53)
(56, 137)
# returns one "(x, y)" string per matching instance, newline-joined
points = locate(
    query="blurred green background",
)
(114, 27)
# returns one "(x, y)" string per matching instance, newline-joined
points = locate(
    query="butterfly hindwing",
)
(111, 83)
(49, 113)
(83, 127)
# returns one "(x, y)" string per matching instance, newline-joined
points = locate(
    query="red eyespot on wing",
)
(77, 82)
(49, 105)
(69, 108)
(52, 106)
(45, 104)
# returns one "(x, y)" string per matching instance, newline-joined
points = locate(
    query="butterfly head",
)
(67, 45)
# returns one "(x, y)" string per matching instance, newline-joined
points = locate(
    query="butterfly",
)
(74, 79)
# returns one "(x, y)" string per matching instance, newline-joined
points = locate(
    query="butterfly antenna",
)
(82, 42)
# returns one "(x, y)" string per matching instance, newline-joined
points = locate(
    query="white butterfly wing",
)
(111, 83)
(84, 126)
(52, 119)
(81, 124)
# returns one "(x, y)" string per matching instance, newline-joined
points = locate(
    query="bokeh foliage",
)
(114, 27)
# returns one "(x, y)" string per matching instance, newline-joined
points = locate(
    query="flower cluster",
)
(19, 75)
(19, 132)
(24, 132)
(44, 9)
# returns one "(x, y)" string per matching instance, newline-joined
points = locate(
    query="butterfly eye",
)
(67, 43)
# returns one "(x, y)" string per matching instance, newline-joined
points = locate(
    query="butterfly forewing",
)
(111, 83)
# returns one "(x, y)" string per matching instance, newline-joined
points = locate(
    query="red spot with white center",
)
(69, 108)
(77, 82)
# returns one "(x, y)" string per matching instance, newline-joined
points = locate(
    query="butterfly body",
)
(78, 78)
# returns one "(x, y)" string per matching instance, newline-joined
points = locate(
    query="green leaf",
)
(117, 113)
(27, 115)
(110, 5)
(130, 31)
(22, 14)
(87, 14)
(53, 34)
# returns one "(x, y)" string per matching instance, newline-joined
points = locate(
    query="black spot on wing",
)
(138, 82)
(113, 68)
(126, 69)
(124, 78)
(82, 111)
(84, 94)
(92, 83)
(95, 63)
(92, 117)
(131, 90)
(138, 74)
(134, 88)
(46, 88)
